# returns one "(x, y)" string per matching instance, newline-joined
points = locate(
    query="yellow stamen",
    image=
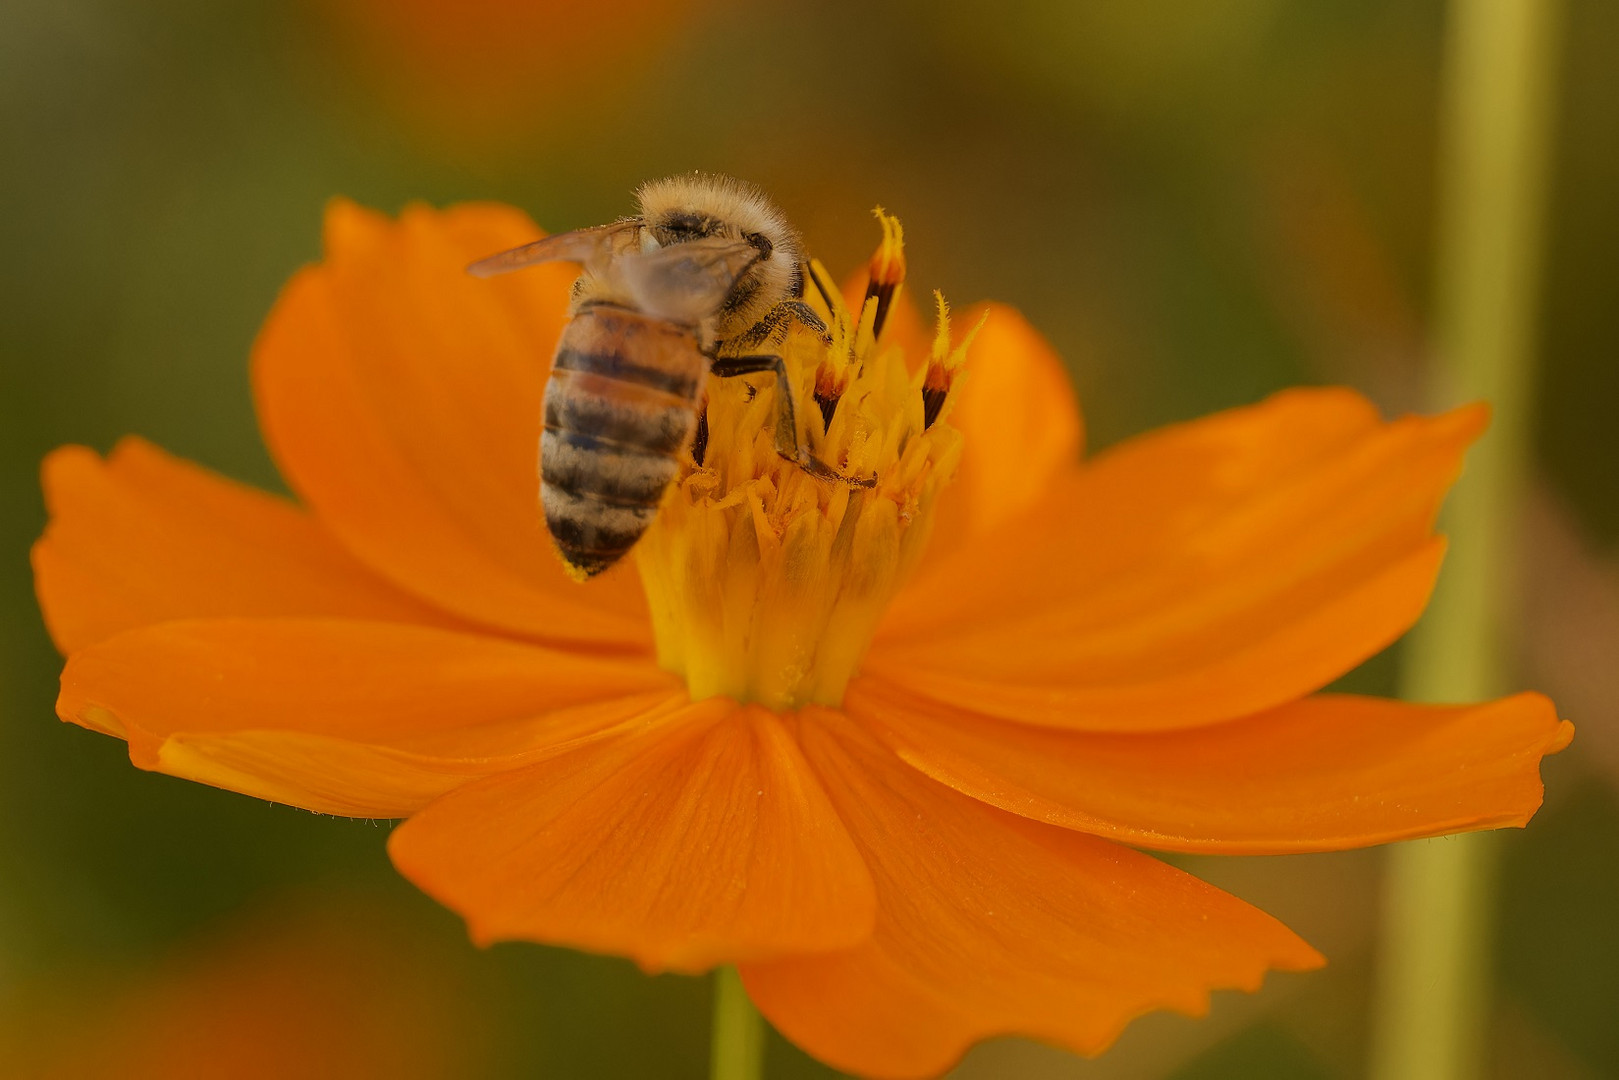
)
(765, 581)
(887, 268)
(938, 378)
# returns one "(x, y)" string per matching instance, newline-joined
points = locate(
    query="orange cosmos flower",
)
(899, 782)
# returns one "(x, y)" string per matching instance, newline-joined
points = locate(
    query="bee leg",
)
(772, 329)
(805, 316)
(788, 444)
(699, 442)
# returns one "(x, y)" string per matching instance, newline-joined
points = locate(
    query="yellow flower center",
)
(765, 580)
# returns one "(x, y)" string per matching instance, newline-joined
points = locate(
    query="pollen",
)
(766, 579)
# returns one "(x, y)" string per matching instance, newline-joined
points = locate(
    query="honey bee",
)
(706, 261)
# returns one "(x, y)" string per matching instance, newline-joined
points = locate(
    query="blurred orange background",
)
(1198, 201)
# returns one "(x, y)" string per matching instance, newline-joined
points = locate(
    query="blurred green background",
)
(1198, 202)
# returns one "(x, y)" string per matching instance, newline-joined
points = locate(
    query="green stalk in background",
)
(1433, 992)
(739, 1031)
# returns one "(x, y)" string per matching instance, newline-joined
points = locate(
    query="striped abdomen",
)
(620, 408)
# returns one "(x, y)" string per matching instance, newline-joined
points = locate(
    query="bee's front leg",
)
(773, 328)
(788, 444)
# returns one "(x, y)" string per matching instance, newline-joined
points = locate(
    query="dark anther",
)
(828, 392)
(829, 406)
(884, 292)
(932, 401)
(699, 443)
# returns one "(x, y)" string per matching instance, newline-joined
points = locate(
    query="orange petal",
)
(988, 924)
(1323, 774)
(344, 717)
(142, 537)
(700, 840)
(1020, 419)
(1198, 574)
(401, 398)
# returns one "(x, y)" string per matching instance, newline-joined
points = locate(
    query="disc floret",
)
(765, 581)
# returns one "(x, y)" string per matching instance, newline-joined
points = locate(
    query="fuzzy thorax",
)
(766, 582)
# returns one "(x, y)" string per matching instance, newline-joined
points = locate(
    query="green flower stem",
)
(739, 1031)
(1433, 993)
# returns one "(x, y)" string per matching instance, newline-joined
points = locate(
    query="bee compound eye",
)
(760, 241)
(681, 226)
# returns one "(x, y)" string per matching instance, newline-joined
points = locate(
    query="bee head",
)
(684, 208)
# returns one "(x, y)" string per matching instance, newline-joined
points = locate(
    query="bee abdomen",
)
(620, 408)
(592, 535)
(683, 384)
(616, 413)
(610, 473)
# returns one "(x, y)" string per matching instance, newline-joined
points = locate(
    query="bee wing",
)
(580, 246)
(688, 281)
